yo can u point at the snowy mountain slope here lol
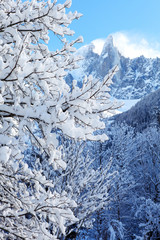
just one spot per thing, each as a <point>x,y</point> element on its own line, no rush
<point>145,113</point>
<point>135,79</point>
<point>127,104</point>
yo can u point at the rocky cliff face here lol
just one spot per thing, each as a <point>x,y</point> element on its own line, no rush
<point>135,79</point>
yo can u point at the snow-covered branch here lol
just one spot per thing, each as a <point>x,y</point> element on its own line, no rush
<point>34,94</point>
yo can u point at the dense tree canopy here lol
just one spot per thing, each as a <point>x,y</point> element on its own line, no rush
<point>34,94</point>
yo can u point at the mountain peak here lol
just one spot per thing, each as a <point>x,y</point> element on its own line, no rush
<point>109,40</point>
<point>108,45</point>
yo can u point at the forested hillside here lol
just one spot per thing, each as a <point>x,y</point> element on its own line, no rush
<point>144,114</point>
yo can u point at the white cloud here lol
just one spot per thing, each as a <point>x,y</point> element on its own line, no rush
<point>130,45</point>
<point>133,46</point>
<point>98,45</point>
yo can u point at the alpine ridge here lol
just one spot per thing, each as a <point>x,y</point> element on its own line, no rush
<point>135,79</point>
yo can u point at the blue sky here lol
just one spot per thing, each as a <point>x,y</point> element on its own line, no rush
<point>137,20</point>
<point>102,17</point>
<point>134,24</point>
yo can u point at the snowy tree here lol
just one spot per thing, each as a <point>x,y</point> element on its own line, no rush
<point>119,150</point>
<point>137,160</point>
<point>86,183</point>
<point>148,175</point>
<point>150,162</point>
<point>33,93</point>
<point>149,213</point>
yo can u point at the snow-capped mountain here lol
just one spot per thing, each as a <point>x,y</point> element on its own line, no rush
<point>135,79</point>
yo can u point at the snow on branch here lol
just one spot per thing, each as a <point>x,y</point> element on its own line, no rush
<point>33,93</point>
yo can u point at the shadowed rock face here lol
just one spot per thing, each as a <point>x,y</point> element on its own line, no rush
<point>135,79</point>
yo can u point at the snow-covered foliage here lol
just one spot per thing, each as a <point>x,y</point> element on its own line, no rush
<point>135,194</point>
<point>149,213</point>
<point>116,230</point>
<point>33,93</point>
<point>85,183</point>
